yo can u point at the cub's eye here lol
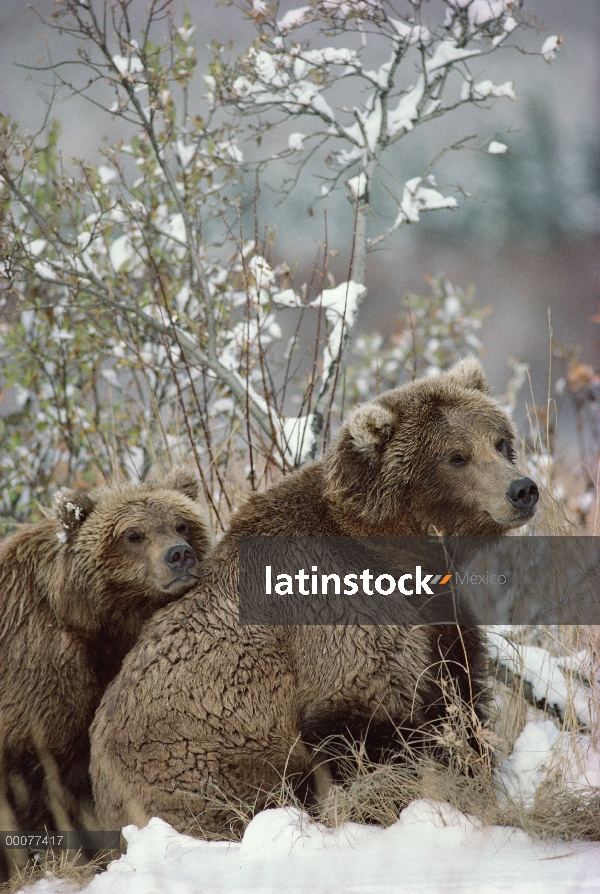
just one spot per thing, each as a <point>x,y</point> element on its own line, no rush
<point>458,460</point>
<point>502,446</point>
<point>134,536</point>
<point>181,528</point>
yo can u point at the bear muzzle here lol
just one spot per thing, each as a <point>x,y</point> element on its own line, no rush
<point>523,495</point>
<point>180,559</point>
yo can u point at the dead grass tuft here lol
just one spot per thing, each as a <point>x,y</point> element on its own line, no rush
<point>61,864</point>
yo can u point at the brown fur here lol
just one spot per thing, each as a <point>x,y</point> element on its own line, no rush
<point>205,709</point>
<point>75,591</point>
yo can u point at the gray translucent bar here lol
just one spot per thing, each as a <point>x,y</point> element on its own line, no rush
<point>39,841</point>
<point>419,580</point>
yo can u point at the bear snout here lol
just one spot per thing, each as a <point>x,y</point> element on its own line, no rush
<point>523,494</point>
<point>180,557</point>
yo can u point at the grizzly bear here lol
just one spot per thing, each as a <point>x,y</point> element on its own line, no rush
<point>75,591</point>
<point>207,715</point>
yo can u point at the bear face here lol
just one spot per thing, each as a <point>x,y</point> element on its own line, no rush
<point>128,548</point>
<point>433,456</point>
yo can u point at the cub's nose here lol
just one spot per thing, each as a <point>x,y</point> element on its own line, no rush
<point>523,494</point>
<point>180,557</point>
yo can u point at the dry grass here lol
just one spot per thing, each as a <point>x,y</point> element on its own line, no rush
<point>467,779</point>
<point>62,864</point>
<point>377,793</point>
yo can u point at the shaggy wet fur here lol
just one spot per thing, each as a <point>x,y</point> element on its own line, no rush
<point>206,711</point>
<point>75,591</point>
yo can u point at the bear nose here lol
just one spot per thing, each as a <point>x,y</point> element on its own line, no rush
<point>523,494</point>
<point>180,557</point>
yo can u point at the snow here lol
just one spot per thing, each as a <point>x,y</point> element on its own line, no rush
<point>371,121</point>
<point>37,246</point>
<point>121,252</point>
<point>321,106</point>
<point>287,298</point>
<point>186,152</point>
<point>134,463</point>
<point>496,148</point>
<point>542,751</point>
<point>261,271</point>
<point>265,68</point>
<point>294,18</point>
<point>410,33</point>
<point>358,185</point>
<point>106,175</point>
<point>381,77</point>
<point>44,270</point>
<point>487,88</point>
<point>509,26</point>
<point>298,436</point>
<point>111,377</point>
<point>186,33</point>
<point>296,141</point>
<point>417,198</point>
<point>431,849</point>
<point>407,110</point>
<point>340,301</point>
<point>551,46</point>
<point>524,770</point>
<point>228,148</point>
<point>176,227</point>
<point>341,306</point>
<point>129,65</point>
<point>480,12</point>
<point>330,56</point>
<point>57,334</point>
<point>447,53</point>
<point>551,680</point>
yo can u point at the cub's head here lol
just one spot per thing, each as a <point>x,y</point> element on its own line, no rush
<point>435,454</point>
<point>129,548</point>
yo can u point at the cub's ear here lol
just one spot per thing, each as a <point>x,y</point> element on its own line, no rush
<point>71,508</point>
<point>184,480</point>
<point>469,373</point>
<point>370,426</point>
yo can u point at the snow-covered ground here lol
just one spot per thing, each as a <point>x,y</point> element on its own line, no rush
<point>432,849</point>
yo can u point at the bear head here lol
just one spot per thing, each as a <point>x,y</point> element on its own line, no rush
<point>127,550</point>
<point>434,456</point>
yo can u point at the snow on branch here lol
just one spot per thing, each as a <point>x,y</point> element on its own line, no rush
<point>287,75</point>
<point>551,46</point>
<point>418,196</point>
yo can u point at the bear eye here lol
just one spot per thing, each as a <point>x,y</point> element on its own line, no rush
<point>181,528</point>
<point>505,447</point>
<point>134,536</point>
<point>458,460</point>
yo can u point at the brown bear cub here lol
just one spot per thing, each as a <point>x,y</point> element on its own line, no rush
<point>207,714</point>
<point>75,591</point>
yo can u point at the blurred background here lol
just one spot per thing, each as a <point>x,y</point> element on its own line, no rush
<point>528,240</point>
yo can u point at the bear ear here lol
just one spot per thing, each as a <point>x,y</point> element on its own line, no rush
<point>469,374</point>
<point>369,427</point>
<point>184,480</point>
<point>71,508</point>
